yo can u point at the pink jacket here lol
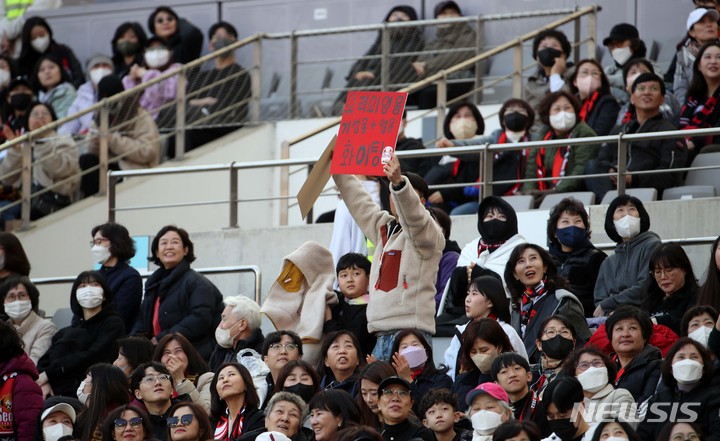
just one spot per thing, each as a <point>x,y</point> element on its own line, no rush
<point>158,94</point>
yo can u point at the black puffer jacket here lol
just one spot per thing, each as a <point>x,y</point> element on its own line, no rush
<point>669,311</point>
<point>641,375</point>
<point>654,154</point>
<point>189,304</point>
<point>77,347</point>
<point>603,114</point>
<point>580,267</point>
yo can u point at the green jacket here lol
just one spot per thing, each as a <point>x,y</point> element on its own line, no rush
<point>579,155</point>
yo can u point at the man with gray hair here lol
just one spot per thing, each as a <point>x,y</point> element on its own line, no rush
<point>239,330</point>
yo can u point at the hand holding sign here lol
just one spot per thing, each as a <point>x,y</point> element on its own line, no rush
<point>368,132</point>
<point>392,170</point>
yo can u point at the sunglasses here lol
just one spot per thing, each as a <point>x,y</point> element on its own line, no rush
<point>184,420</point>
<point>122,423</point>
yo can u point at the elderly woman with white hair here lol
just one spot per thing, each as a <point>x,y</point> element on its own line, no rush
<point>284,414</point>
<point>488,407</point>
<point>239,329</point>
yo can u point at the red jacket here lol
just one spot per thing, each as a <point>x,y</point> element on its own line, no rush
<point>27,396</point>
<point>662,338</point>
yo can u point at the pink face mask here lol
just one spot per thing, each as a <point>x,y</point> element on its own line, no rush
<point>415,356</point>
<point>588,85</point>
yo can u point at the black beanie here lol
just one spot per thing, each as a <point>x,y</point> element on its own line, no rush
<point>108,86</point>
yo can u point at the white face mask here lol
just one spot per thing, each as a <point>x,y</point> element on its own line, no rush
<point>56,431</point>
<point>593,379</point>
<point>223,337</point>
<point>157,58</point>
<point>4,77</point>
<point>415,356</point>
<point>483,361</point>
<point>485,421</point>
<point>40,44</point>
<point>100,253</point>
<point>98,74</point>
<point>700,335</point>
<point>588,85</point>
<point>687,371</point>
<point>562,121</point>
<point>628,226</point>
<point>463,128</point>
<point>89,296</point>
<point>621,55</point>
<point>82,396</point>
<point>19,309</point>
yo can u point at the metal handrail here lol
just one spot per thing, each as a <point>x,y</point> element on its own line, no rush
<point>486,153</point>
<point>703,240</point>
<point>205,271</point>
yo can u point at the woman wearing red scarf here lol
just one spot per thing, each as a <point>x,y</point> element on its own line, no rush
<point>234,402</point>
<point>701,110</point>
<point>538,292</point>
<point>560,112</point>
<point>599,108</point>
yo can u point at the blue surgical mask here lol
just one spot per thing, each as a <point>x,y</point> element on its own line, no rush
<point>571,236</point>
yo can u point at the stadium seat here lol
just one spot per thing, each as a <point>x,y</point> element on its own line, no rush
<point>644,194</point>
<point>62,317</point>
<point>520,202</point>
<point>708,176</point>
<point>586,197</point>
<point>689,192</point>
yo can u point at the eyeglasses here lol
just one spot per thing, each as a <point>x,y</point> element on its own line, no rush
<point>690,437</point>
<point>152,379</point>
<point>184,420</point>
<point>585,365</point>
<point>122,423</point>
<point>16,296</point>
<point>643,89</point>
<point>288,347</point>
<point>402,393</point>
<point>658,272</point>
<point>551,333</point>
<point>99,241</point>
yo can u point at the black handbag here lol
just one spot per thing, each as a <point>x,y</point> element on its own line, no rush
<point>46,203</point>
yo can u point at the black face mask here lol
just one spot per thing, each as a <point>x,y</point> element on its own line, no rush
<point>21,101</point>
<point>547,56</point>
<point>557,347</point>
<point>127,47</point>
<point>495,230</point>
<point>563,428</point>
<point>515,121</point>
<point>302,390</point>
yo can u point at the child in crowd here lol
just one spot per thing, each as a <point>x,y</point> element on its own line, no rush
<point>439,413</point>
<point>349,314</point>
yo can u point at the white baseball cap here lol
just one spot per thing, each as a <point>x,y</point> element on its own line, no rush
<point>697,14</point>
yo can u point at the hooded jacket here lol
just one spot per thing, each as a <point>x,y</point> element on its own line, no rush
<point>407,254</point>
<point>27,400</point>
<point>296,301</point>
<point>624,276</point>
<point>189,304</point>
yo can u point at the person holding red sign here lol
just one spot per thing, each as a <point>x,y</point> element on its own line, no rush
<point>409,245</point>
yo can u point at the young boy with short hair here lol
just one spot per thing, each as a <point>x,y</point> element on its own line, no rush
<point>512,372</point>
<point>350,313</point>
<point>439,413</point>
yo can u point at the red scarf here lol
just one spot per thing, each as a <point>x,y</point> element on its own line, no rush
<point>482,246</point>
<point>562,157</point>
<point>222,431</point>
<point>588,105</point>
<point>708,116</point>
<point>527,312</point>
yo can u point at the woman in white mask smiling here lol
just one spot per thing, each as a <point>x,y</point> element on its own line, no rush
<point>698,323</point>
<point>673,289</point>
<point>57,420</point>
<point>596,373</point>
<point>599,108</point>
<point>20,302</point>
<point>158,60</point>
<point>623,277</point>
<point>413,361</point>
<point>560,114</point>
<point>92,340</point>
<point>462,122</point>
<point>688,377</point>
<point>112,248</point>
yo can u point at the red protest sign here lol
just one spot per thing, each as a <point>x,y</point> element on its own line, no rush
<point>369,126</point>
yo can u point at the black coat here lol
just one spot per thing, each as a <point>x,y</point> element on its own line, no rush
<point>654,154</point>
<point>189,304</point>
<point>223,355</point>
<point>603,115</point>
<point>351,318</point>
<point>580,267</point>
<point>642,374</point>
<point>466,382</point>
<point>187,42</point>
<point>77,347</point>
<point>406,431</point>
<point>703,400</point>
<point>415,165</point>
<point>425,382</point>
<point>669,311</point>
<point>253,420</point>
<point>126,285</point>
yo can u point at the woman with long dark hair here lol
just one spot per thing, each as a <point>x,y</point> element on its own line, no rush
<point>52,85</point>
<point>107,390</point>
<point>330,411</point>
<point>370,378</point>
<point>538,292</point>
<point>298,377</point>
<point>127,47</point>
<point>92,340</point>
<point>591,86</point>
<point>191,374</point>
<point>234,402</point>
<point>37,40</point>
<point>127,423</point>
<point>132,352</point>
<point>340,359</point>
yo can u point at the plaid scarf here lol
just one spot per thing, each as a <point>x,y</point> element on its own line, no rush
<point>527,313</point>
<point>695,115</point>
<point>482,246</point>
